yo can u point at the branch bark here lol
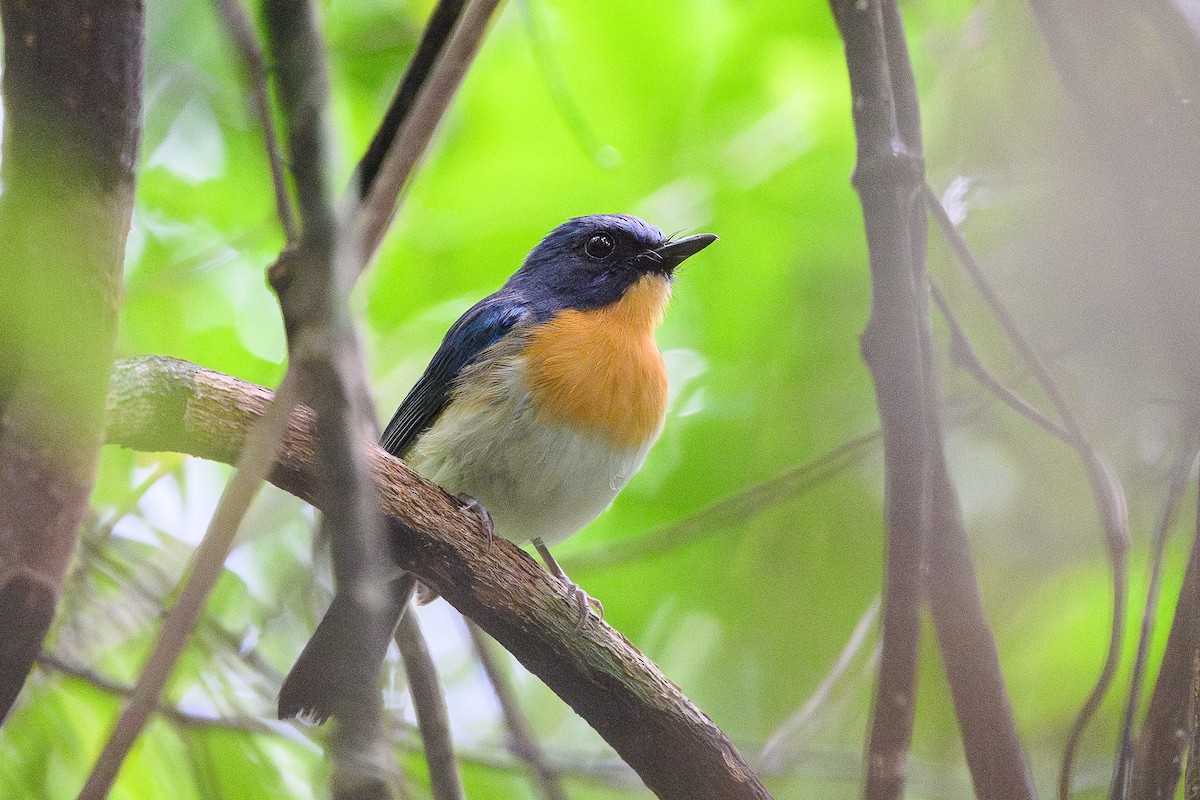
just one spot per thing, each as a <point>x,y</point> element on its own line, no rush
<point>886,177</point>
<point>72,111</point>
<point>158,404</point>
<point>313,281</point>
<point>995,756</point>
<point>1158,755</point>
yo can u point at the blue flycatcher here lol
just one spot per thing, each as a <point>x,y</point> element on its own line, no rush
<point>538,407</point>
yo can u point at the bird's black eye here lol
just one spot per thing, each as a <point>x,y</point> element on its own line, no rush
<point>600,246</point>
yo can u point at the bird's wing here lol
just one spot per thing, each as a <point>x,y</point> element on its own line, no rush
<point>479,328</point>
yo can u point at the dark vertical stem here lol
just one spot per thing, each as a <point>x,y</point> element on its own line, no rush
<point>1191,777</point>
<point>1158,755</point>
<point>430,704</point>
<point>313,281</point>
<point>999,768</point>
<point>887,176</point>
<point>72,87</point>
<point>1180,473</point>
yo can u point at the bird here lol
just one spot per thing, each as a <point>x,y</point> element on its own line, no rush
<point>538,407</point>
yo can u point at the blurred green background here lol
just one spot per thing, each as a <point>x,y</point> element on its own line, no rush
<point>699,115</point>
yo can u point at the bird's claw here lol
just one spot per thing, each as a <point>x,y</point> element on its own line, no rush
<point>470,504</point>
<point>584,602</point>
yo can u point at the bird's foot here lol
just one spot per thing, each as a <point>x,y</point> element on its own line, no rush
<point>584,602</point>
<point>473,506</point>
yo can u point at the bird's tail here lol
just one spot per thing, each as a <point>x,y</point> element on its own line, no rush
<point>317,683</point>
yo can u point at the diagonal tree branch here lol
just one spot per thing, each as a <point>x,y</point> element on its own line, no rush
<point>524,744</point>
<point>414,134</point>
<point>253,463</point>
<point>160,404</point>
<point>429,700</point>
<point>442,22</point>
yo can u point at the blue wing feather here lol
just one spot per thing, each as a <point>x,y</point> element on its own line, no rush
<point>479,328</point>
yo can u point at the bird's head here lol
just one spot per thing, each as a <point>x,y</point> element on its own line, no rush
<point>590,262</point>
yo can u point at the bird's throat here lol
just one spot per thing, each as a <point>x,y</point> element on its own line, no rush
<point>600,370</point>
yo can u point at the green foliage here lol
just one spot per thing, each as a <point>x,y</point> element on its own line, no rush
<point>700,115</point>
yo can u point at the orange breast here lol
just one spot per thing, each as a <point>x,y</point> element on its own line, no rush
<point>600,370</point>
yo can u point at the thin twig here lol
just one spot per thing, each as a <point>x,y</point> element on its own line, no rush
<point>378,209</point>
<point>101,532</point>
<point>966,357</point>
<point>780,751</point>
<point>245,39</point>
<point>1106,487</point>
<point>524,744</point>
<point>243,724</point>
<point>1180,474</point>
<point>735,509</point>
<point>253,466</point>
<point>437,32</point>
<point>430,704</point>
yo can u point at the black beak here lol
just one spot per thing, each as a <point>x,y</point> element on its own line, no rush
<point>674,253</point>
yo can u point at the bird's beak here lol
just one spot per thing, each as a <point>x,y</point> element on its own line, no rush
<point>674,253</point>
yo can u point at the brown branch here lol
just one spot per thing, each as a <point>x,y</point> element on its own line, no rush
<point>1107,492</point>
<point>886,177</point>
<point>965,356</point>
<point>1158,755</point>
<point>995,756</point>
<point>72,89</point>
<point>241,30</point>
<point>253,463</point>
<point>429,701</point>
<point>313,281</point>
<point>524,744</point>
<point>413,137</point>
<point>165,404</point>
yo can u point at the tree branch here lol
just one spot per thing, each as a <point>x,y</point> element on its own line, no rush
<point>886,176</point>
<point>523,744</point>
<point>412,139</point>
<point>429,700</point>
<point>437,32</point>
<point>72,83</point>
<point>313,281</point>
<point>160,404</point>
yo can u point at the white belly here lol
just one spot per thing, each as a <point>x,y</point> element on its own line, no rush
<point>538,481</point>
